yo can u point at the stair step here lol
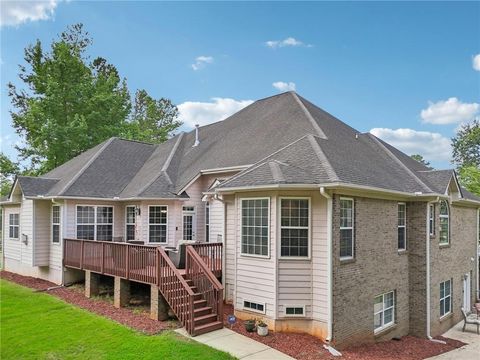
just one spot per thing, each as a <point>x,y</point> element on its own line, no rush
<point>199,303</point>
<point>202,329</point>
<point>205,319</point>
<point>202,311</point>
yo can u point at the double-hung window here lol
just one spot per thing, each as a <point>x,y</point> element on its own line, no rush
<point>255,222</point>
<point>13,226</point>
<point>402,223</point>
<point>294,227</point>
<point>384,311</point>
<point>157,224</point>
<point>56,224</point>
<point>130,221</point>
<point>431,219</point>
<point>95,222</point>
<point>444,223</point>
<point>445,297</point>
<point>347,221</point>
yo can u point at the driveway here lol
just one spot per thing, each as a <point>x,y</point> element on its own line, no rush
<point>471,351</point>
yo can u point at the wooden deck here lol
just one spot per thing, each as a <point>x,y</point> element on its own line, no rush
<point>185,290</point>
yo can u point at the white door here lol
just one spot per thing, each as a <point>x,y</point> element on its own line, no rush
<point>466,293</point>
<point>189,223</point>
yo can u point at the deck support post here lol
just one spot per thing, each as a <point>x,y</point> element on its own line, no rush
<point>92,284</point>
<point>158,305</point>
<point>121,292</point>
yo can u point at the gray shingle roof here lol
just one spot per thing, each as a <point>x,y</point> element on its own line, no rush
<point>286,138</point>
<point>33,186</point>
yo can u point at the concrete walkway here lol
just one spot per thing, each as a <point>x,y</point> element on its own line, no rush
<point>471,351</point>
<point>237,345</point>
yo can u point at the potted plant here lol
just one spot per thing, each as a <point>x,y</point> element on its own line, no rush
<point>250,325</point>
<point>262,328</point>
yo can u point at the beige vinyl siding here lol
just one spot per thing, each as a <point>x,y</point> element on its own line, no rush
<point>216,221</point>
<point>294,285</point>
<point>42,238</point>
<point>12,248</point>
<point>26,228</point>
<point>230,245</point>
<point>255,277</point>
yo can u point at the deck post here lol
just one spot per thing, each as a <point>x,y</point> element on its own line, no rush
<point>121,292</point>
<point>92,282</point>
<point>158,305</point>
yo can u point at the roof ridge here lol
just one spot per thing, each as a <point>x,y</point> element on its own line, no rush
<point>86,166</point>
<point>172,152</point>
<point>37,177</point>
<point>398,161</point>
<point>276,171</point>
<point>434,170</point>
<point>136,141</point>
<point>309,116</point>
<point>323,158</point>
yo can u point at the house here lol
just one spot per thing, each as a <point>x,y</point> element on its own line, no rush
<point>321,229</point>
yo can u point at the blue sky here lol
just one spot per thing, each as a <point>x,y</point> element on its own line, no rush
<point>408,71</point>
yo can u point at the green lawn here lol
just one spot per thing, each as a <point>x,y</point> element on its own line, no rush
<point>40,326</point>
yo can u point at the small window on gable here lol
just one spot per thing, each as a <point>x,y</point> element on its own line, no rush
<point>444,223</point>
<point>295,311</point>
<point>252,306</point>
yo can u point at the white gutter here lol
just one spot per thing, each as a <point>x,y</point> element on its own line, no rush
<point>329,262</point>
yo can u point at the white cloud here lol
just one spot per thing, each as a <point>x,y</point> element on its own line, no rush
<point>476,62</point>
<point>284,86</point>
<point>201,62</point>
<point>432,146</point>
<point>204,113</point>
<point>449,111</point>
<point>14,13</point>
<point>290,41</point>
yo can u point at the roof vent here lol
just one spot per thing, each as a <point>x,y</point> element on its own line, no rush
<point>197,142</point>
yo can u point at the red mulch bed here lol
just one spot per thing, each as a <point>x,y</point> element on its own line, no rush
<point>127,316</point>
<point>307,347</point>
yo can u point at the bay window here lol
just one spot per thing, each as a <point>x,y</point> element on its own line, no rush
<point>294,227</point>
<point>255,222</point>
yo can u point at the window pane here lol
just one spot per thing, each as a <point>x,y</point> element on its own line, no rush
<point>294,231</point>
<point>130,232</point>
<point>388,316</point>
<point>255,227</point>
<point>85,215</point>
<point>388,300</point>
<point>443,208</point>
<point>158,233</point>
<point>346,243</point>
<point>378,304</point>
<point>187,227</point>
<point>130,215</point>
<point>377,320</point>
<point>86,232</point>
<point>56,233</point>
<point>55,214</point>
<point>346,213</point>
<point>401,214</point>
<point>401,238</point>
<point>104,215</point>
<point>443,230</point>
<point>158,215</point>
<point>104,232</point>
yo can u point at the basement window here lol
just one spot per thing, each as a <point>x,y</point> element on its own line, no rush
<point>295,310</point>
<point>250,305</point>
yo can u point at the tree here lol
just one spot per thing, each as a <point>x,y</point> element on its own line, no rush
<point>420,159</point>
<point>152,120</point>
<point>466,155</point>
<point>8,170</point>
<point>69,104</point>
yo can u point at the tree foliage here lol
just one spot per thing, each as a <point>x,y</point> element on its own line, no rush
<point>466,155</point>
<point>420,159</point>
<point>8,170</point>
<point>69,103</point>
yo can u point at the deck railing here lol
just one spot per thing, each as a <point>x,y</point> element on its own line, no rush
<point>205,281</point>
<point>212,255</point>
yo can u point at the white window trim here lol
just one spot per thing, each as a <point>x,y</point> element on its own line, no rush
<point>440,223</point>
<point>95,220</point>
<point>447,296</point>
<point>431,219</point>
<point>207,221</point>
<point>18,226</point>
<point>348,228</point>
<point>127,223</point>
<point>254,310</point>
<point>294,315</point>
<point>242,254</point>
<point>148,230</point>
<point>404,226</point>
<point>391,323</point>
<point>59,225</point>
<point>280,227</point>
<point>194,221</point>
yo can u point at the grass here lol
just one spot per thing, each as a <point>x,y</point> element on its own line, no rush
<point>40,326</point>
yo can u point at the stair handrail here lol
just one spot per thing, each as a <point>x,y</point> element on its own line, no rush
<point>184,311</point>
<point>192,255</point>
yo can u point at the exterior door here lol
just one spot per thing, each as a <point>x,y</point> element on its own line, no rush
<point>466,293</point>
<point>189,223</point>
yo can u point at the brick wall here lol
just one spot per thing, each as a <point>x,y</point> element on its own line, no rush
<point>377,268</point>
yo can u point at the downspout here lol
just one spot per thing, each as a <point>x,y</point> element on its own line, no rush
<point>329,262</point>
